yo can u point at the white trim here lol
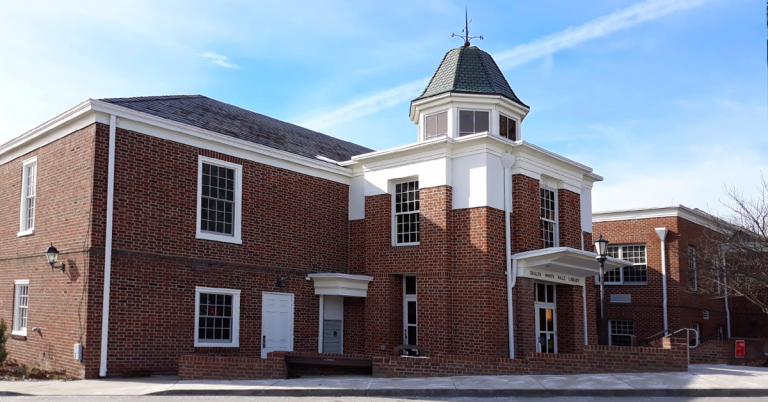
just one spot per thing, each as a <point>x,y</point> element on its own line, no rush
<point>23,211</point>
<point>584,304</point>
<point>410,298</point>
<point>235,293</point>
<point>393,185</point>
<point>336,284</point>
<point>621,281</point>
<point>237,222</point>
<point>610,333</point>
<point>662,233</point>
<point>546,305</point>
<point>696,216</point>
<point>15,325</point>
<point>108,247</point>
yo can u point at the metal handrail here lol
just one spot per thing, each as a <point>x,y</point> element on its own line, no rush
<point>687,336</point>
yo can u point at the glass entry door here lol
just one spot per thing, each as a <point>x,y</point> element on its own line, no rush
<point>546,318</point>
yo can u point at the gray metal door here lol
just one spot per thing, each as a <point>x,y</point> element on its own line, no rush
<point>331,336</point>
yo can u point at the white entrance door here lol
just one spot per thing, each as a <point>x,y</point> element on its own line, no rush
<point>546,318</point>
<point>276,322</point>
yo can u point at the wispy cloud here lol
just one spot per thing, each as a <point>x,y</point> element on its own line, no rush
<point>367,105</point>
<point>219,59</point>
<point>621,19</point>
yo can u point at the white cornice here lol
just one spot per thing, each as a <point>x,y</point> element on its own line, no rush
<point>450,97</point>
<point>696,216</point>
<point>49,125</point>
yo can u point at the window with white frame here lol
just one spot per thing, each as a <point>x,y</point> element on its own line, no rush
<point>20,307</point>
<point>548,219</point>
<point>621,332</point>
<point>507,127</point>
<point>219,200</point>
<point>473,121</point>
<point>28,197</point>
<point>217,317</point>
<point>435,125</point>
<point>637,273</point>
<point>693,280</point>
<point>406,214</point>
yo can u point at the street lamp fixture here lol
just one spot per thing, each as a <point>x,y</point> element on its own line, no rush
<point>601,251</point>
<point>53,255</point>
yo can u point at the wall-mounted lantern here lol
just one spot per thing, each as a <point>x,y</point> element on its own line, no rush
<point>53,255</point>
<point>281,283</point>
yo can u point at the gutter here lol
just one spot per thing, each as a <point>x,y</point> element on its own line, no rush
<point>108,247</point>
<point>507,160</point>
<point>662,233</point>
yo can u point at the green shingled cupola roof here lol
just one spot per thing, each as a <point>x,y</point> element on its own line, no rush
<point>467,69</point>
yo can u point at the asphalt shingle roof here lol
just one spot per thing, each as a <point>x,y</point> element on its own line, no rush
<point>223,118</point>
<point>471,70</point>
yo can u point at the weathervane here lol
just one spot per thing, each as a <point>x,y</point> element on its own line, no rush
<point>466,36</point>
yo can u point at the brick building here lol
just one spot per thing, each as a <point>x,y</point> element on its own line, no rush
<point>662,244</point>
<point>187,226</point>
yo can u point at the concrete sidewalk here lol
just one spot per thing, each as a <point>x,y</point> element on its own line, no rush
<point>701,380</point>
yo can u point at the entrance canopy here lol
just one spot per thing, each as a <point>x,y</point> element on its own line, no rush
<point>562,264</point>
<point>337,284</point>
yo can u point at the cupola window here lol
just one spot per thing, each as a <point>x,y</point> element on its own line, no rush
<point>507,127</point>
<point>473,121</point>
<point>436,125</point>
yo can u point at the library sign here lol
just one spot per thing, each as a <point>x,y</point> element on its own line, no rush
<point>551,276</point>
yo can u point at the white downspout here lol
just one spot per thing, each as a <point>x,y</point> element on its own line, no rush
<point>108,247</point>
<point>725,290</point>
<point>507,160</point>
<point>662,232</point>
<point>584,300</point>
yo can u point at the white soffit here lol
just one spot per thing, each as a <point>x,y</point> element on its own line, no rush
<point>337,284</point>
<point>564,261</point>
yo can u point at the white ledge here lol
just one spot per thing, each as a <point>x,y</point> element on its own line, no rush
<point>338,284</point>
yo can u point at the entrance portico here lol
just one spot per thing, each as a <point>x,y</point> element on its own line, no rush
<point>551,305</point>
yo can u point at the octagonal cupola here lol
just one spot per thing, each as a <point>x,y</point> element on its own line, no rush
<point>468,95</point>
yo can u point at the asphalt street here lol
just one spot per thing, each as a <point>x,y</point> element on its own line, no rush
<point>363,399</point>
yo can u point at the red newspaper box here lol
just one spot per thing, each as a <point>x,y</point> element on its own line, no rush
<point>740,348</point>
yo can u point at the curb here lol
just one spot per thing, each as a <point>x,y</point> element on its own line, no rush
<point>327,392</point>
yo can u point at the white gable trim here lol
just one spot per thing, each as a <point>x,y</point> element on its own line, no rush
<point>696,216</point>
<point>91,110</point>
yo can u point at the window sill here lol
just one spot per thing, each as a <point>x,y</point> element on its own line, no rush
<point>20,334</point>
<point>219,238</point>
<point>26,232</point>
<point>406,244</point>
<point>217,345</point>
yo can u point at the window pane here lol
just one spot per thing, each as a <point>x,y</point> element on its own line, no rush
<point>407,212</point>
<point>512,130</point>
<point>550,293</point>
<point>541,293</point>
<point>412,312</point>
<point>482,121</point>
<point>218,197</point>
<point>412,335</point>
<point>466,122</point>
<point>503,126</point>
<point>431,129</point>
<point>410,285</point>
<point>442,123</point>
<point>215,317</point>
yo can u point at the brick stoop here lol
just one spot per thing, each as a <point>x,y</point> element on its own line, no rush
<point>205,367</point>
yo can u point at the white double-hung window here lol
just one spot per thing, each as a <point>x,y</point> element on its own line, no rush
<point>406,213</point>
<point>548,199</point>
<point>219,200</point>
<point>20,306</point>
<point>28,197</point>
<point>635,274</point>
<point>622,332</point>
<point>217,317</point>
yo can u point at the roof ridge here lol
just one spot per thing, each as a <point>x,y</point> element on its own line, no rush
<point>487,76</point>
<point>151,98</point>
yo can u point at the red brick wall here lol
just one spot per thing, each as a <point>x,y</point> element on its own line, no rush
<point>592,359</point>
<point>526,212</point>
<point>569,218</point>
<point>67,209</point>
<point>202,367</point>
<point>724,352</point>
<point>684,307</point>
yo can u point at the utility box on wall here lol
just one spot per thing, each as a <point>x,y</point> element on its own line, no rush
<point>78,352</point>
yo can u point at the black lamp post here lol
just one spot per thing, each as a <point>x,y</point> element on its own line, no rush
<point>601,249</point>
<point>53,255</point>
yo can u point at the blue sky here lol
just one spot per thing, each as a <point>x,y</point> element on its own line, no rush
<point>664,98</point>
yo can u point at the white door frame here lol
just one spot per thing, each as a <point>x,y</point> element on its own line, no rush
<point>406,299</point>
<point>263,336</point>
<point>553,307</point>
